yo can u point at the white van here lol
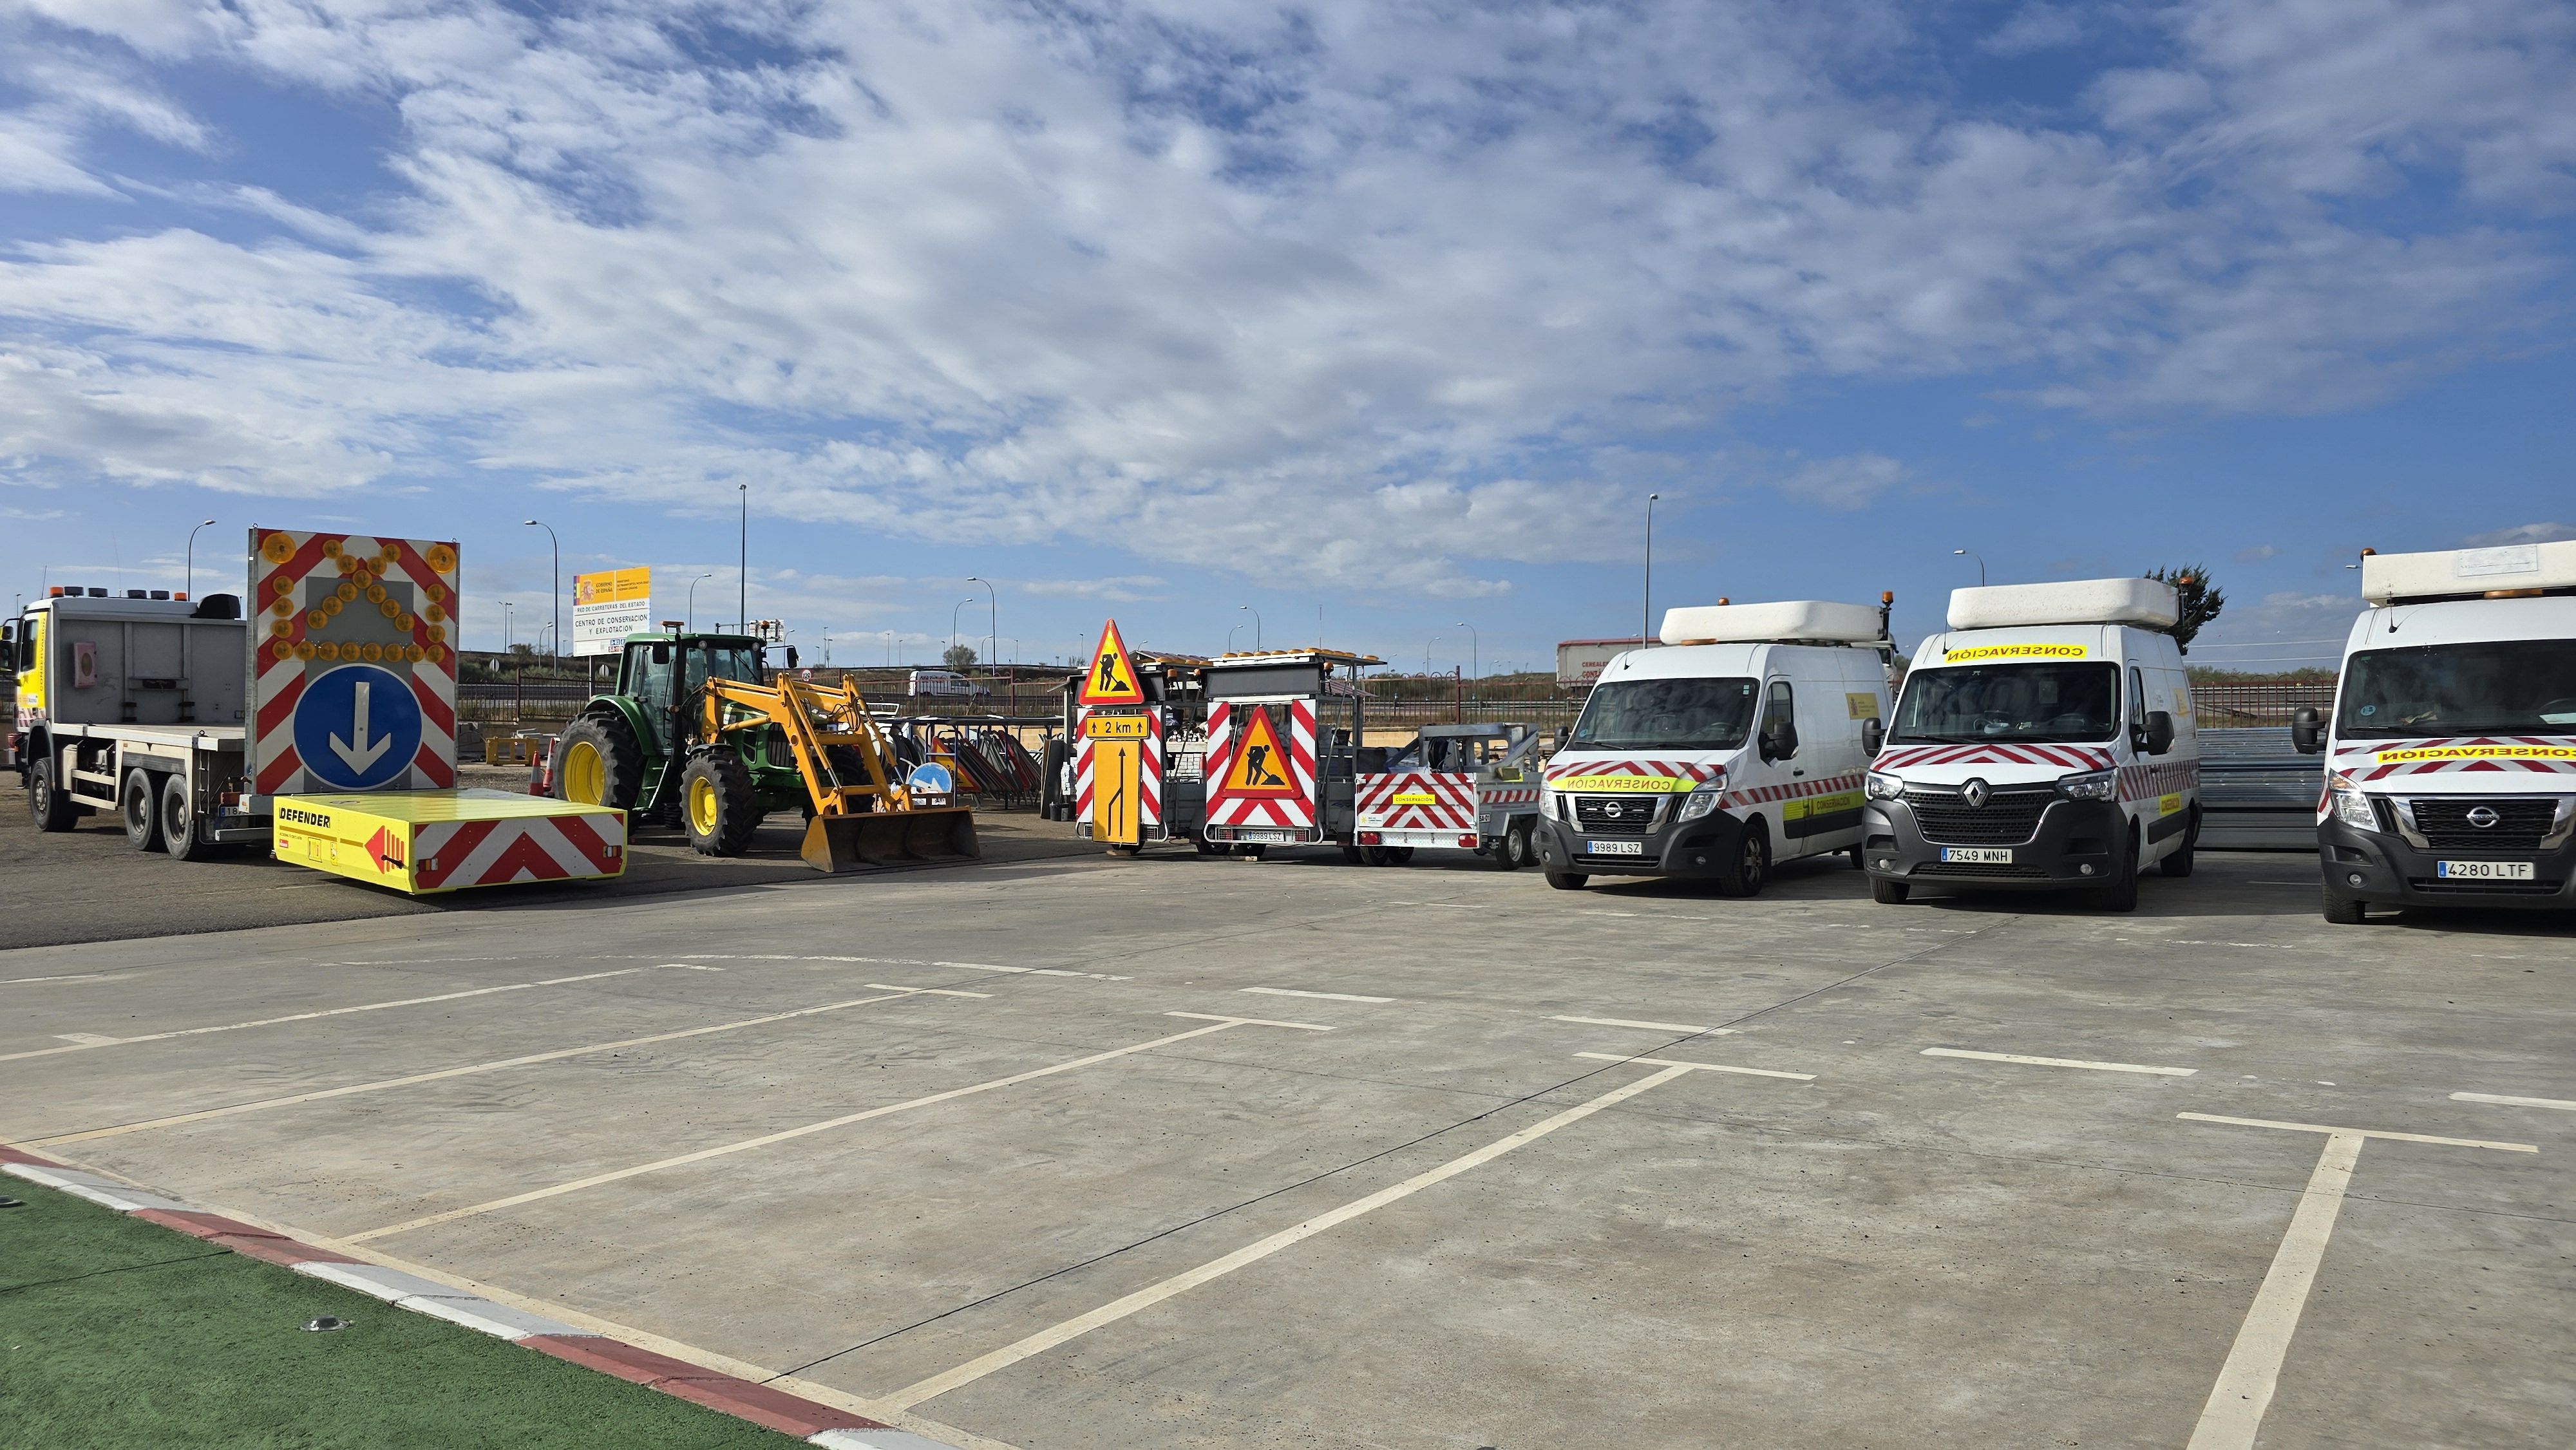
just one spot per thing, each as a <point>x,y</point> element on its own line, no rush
<point>2451,758</point>
<point>1740,745</point>
<point>944,682</point>
<point>2045,741</point>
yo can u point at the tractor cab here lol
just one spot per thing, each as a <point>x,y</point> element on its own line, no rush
<point>663,673</point>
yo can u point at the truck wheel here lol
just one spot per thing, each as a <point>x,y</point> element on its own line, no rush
<point>52,808</point>
<point>1505,858</point>
<point>1399,855</point>
<point>2122,892</point>
<point>598,763</point>
<point>719,807</point>
<point>2179,863</point>
<point>179,822</point>
<point>139,802</point>
<point>1524,849</point>
<point>1751,867</point>
<point>1250,852</point>
<point>1373,855</point>
<point>1566,880</point>
<point>1889,893</point>
<point>2344,910</point>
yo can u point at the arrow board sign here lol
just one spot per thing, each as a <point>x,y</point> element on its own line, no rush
<point>357,727</point>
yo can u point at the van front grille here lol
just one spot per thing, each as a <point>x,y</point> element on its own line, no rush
<point>2008,818</point>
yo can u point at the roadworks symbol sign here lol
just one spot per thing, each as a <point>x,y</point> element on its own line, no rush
<point>1260,767</point>
<point>1112,680</point>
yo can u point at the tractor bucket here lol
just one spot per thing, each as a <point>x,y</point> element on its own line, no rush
<point>838,843</point>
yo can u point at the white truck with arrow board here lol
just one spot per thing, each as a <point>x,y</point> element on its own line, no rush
<point>2451,755</point>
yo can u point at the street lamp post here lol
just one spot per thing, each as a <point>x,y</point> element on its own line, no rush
<point>693,601</point>
<point>1475,651</point>
<point>554,592</point>
<point>506,625</point>
<point>191,585</point>
<point>742,564</point>
<point>1646,627</point>
<point>952,624</point>
<point>1981,564</point>
<point>1256,627</point>
<point>992,618</point>
<point>1426,655</point>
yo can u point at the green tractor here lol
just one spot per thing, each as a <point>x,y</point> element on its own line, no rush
<point>698,734</point>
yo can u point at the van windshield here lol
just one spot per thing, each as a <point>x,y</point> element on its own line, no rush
<point>1667,715</point>
<point>2494,687</point>
<point>2056,703</point>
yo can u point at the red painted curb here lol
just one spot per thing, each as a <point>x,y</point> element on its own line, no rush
<point>762,1405</point>
<point>608,1356</point>
<point>16,1155</point>
<point>285,1252</point>
<point>205,1225</point>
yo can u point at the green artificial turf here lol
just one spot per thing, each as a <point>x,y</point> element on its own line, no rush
<point>118,1332</point>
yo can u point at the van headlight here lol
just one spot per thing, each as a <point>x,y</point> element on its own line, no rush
<point>2092,785</point>
<point>2351,806</point>
<point>1883,787</point>
<point>1702,801</point>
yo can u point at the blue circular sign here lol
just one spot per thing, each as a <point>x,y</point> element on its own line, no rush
<point>930,778</point>
<point>357,727</point>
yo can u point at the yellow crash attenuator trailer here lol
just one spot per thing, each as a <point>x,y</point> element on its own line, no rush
<point>444,840</point>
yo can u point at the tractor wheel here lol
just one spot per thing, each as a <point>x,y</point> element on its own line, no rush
<point>179,822</point>
<point>719,807</point>
<point>47,801</point>
<point>139,802</point>
<point>599,763</point>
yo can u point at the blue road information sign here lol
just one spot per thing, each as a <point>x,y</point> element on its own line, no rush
<point>357,727</point>
<point>930,778</point>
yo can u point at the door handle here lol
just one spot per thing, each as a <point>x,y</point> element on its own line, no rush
<point>1797,772</point>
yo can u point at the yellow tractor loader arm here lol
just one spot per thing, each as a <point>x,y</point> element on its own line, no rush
<point>861,812</point>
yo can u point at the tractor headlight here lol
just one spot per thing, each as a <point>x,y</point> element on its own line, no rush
<point>2351,806</point>
<point>1702,801</point>
<point>2092,785</point>
<point>1883,787</point>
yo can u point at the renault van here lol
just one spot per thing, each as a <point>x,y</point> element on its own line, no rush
<point>1739,745</point>
<point>2045,741</point>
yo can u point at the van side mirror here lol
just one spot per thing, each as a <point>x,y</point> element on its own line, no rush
<point>1872,735</point>
<point>2307,730</point>
<point>2160,732</point>
<point>1780,742</point>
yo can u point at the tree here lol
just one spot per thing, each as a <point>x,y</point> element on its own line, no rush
<point>2201,601</point>
<point>959,656</point>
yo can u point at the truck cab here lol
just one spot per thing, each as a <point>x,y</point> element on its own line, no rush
<point>2451,752</point>
<point>2044,742</point>
<point>1741,743</point>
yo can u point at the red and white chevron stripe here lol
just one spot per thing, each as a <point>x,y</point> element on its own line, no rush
<point>454,854</point>
<point>1508,795</point>
<point>2508,755</point>
<point>1296,812</point>
<point>2058,757</point>
<point>1452,806</point>
<point>1082,764</point>
<point>296,581</point>
<point>1794,790</point>
<point>1689,770</point>
<point>2147,782</point>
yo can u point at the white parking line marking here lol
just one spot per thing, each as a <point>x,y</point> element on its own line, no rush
<point>85,1042</point>
<point>1145,1298</point>
<point>904,962</point>
<point>2233,1415</point>
<point>929,991</point>
<point>2561,1104</point>
<point>79,977</point>
<point>745,1145</point>
<point>2060,1062</point>
<point>1249,1021</point>
<point>1323,996</point>
<point>381,1084</point>
<point>1699,1066</point>
<point>1644,1026</point>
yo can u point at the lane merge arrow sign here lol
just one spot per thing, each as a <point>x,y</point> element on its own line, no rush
<point>357,727</point>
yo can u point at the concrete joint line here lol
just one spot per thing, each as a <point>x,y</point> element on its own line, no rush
<point>766,1140</point>
<point>1145,1298</point>
<point>2233,1415</point>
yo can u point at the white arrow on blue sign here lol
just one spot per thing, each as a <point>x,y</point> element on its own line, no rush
<point>357,727</point>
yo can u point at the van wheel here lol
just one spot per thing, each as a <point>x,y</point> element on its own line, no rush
<point>1566,880</point>
<point>179,822</point>
<point>2344,910</point>
<point>47,802</point>
<point>1889,893</point>
<point>1745,875</point>
<point>139,802</point>
<point>2179,863</point>
<point>2122,892</point>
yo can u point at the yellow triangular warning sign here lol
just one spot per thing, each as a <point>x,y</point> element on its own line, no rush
<point>1259,767</point>
<point>1112,680</point>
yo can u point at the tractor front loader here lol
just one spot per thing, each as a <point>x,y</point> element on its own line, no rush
<point>696,735</point>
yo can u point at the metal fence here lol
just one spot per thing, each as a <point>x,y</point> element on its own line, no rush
<point>2258,702</point>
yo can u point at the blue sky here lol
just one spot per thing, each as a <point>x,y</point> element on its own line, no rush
<point>1186,311</point>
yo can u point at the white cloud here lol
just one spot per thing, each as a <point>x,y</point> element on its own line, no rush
<point>1354,294</point>
<point>2256,554</point>
<point>1119,588</point>
<point>2036,27</point>
<point>2546,533</point>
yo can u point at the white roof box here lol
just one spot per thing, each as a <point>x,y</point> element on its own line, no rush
<point>1804,620</point>
<point>2145,602</point>
<point>2453,572</point>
